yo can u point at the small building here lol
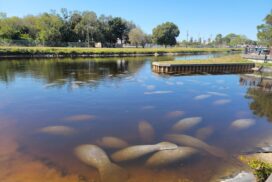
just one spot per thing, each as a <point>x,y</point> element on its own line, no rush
<point>98,45</point>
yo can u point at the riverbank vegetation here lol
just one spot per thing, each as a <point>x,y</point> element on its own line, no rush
<point>64,52</point>
<point>262,170</point>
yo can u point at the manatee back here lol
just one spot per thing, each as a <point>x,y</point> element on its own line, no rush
<point>167,157</point>
<point>92,155</point>
<point>133,152</point>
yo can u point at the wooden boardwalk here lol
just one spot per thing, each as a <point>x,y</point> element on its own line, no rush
<point>257,57</point>
<point>219,68</point>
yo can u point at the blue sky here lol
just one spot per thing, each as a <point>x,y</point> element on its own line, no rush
<point>202,18</point>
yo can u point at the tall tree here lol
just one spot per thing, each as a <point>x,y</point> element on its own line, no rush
<point>88,26</point>
<point>12,28</point>
<point>265,30</point>
<point>49,26</point>
<point>166,34</point>
<point>238,40</point>
<point>219,39</point>
<point>118,29</point>
<point>136,36</point>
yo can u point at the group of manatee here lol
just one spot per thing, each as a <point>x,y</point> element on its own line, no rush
<point>174,147</point>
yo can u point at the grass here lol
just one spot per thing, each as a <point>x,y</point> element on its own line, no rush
<point>103,51</point>
<point>264,64</point>
<point>220,60</point>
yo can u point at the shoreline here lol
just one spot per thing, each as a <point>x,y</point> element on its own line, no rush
<point>47,52</point>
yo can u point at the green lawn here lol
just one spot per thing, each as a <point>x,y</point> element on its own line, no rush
<point>103,51</point>
<point>222,60</point>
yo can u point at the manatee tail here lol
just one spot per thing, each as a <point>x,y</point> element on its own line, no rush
<point>113,173</point>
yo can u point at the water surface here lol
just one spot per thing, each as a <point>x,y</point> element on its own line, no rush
<point>109,97</point>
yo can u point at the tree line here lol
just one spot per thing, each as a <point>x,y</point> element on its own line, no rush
<point>86,28</point>
<point>229,40</point>
<point>57,28</point>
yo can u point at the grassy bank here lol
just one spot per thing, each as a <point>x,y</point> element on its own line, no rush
<point>220,60</point>
<point>63,51</point>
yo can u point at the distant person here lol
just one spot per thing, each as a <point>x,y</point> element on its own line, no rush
<point>260,51</point>
<point>246,50</point>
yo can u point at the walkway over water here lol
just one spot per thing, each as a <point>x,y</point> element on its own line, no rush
<point>257,57</point>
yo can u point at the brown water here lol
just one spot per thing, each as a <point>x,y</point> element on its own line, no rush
<point>109,97</point>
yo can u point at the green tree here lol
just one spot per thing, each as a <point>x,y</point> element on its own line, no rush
<point>228,38</point>
<point>118,28</point>
<point>30,27</point>
<point>147,40</point>
<point>88,26</point>
<point>136,36</point>
<point>238,40</point>
<point>166,34</point>
<point>265,30</point>
<point>219,39</point>
<point>106,36</point>
<point>11,28</point>
<point>49,26</point>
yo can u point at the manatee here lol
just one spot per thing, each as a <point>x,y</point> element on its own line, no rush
<point>179,83</point>
<point>148,107</point>
<point>51,85</point>
<point>242,123</point>
<point>94,156</point>
<point>202,97</point>
<point>166,157</point>
<point>222,102</point>
<point>186,124</point>
<point>189,141</point>
<point>150,87</point>
<point>112,142</point>
<point>137,151</point>
<point>159,92</point>
<point>204,133</point>
<point>81,117</point>
<point>58,130</point>
<point>218,94</point>
<point>169,83</point>
<point>146,132</point>
<point>174,114</point>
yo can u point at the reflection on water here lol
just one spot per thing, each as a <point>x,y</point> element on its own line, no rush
<point>260,94</point>
<point>56,116</point>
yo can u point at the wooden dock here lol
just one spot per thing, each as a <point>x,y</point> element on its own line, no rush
<point>218,68</point>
